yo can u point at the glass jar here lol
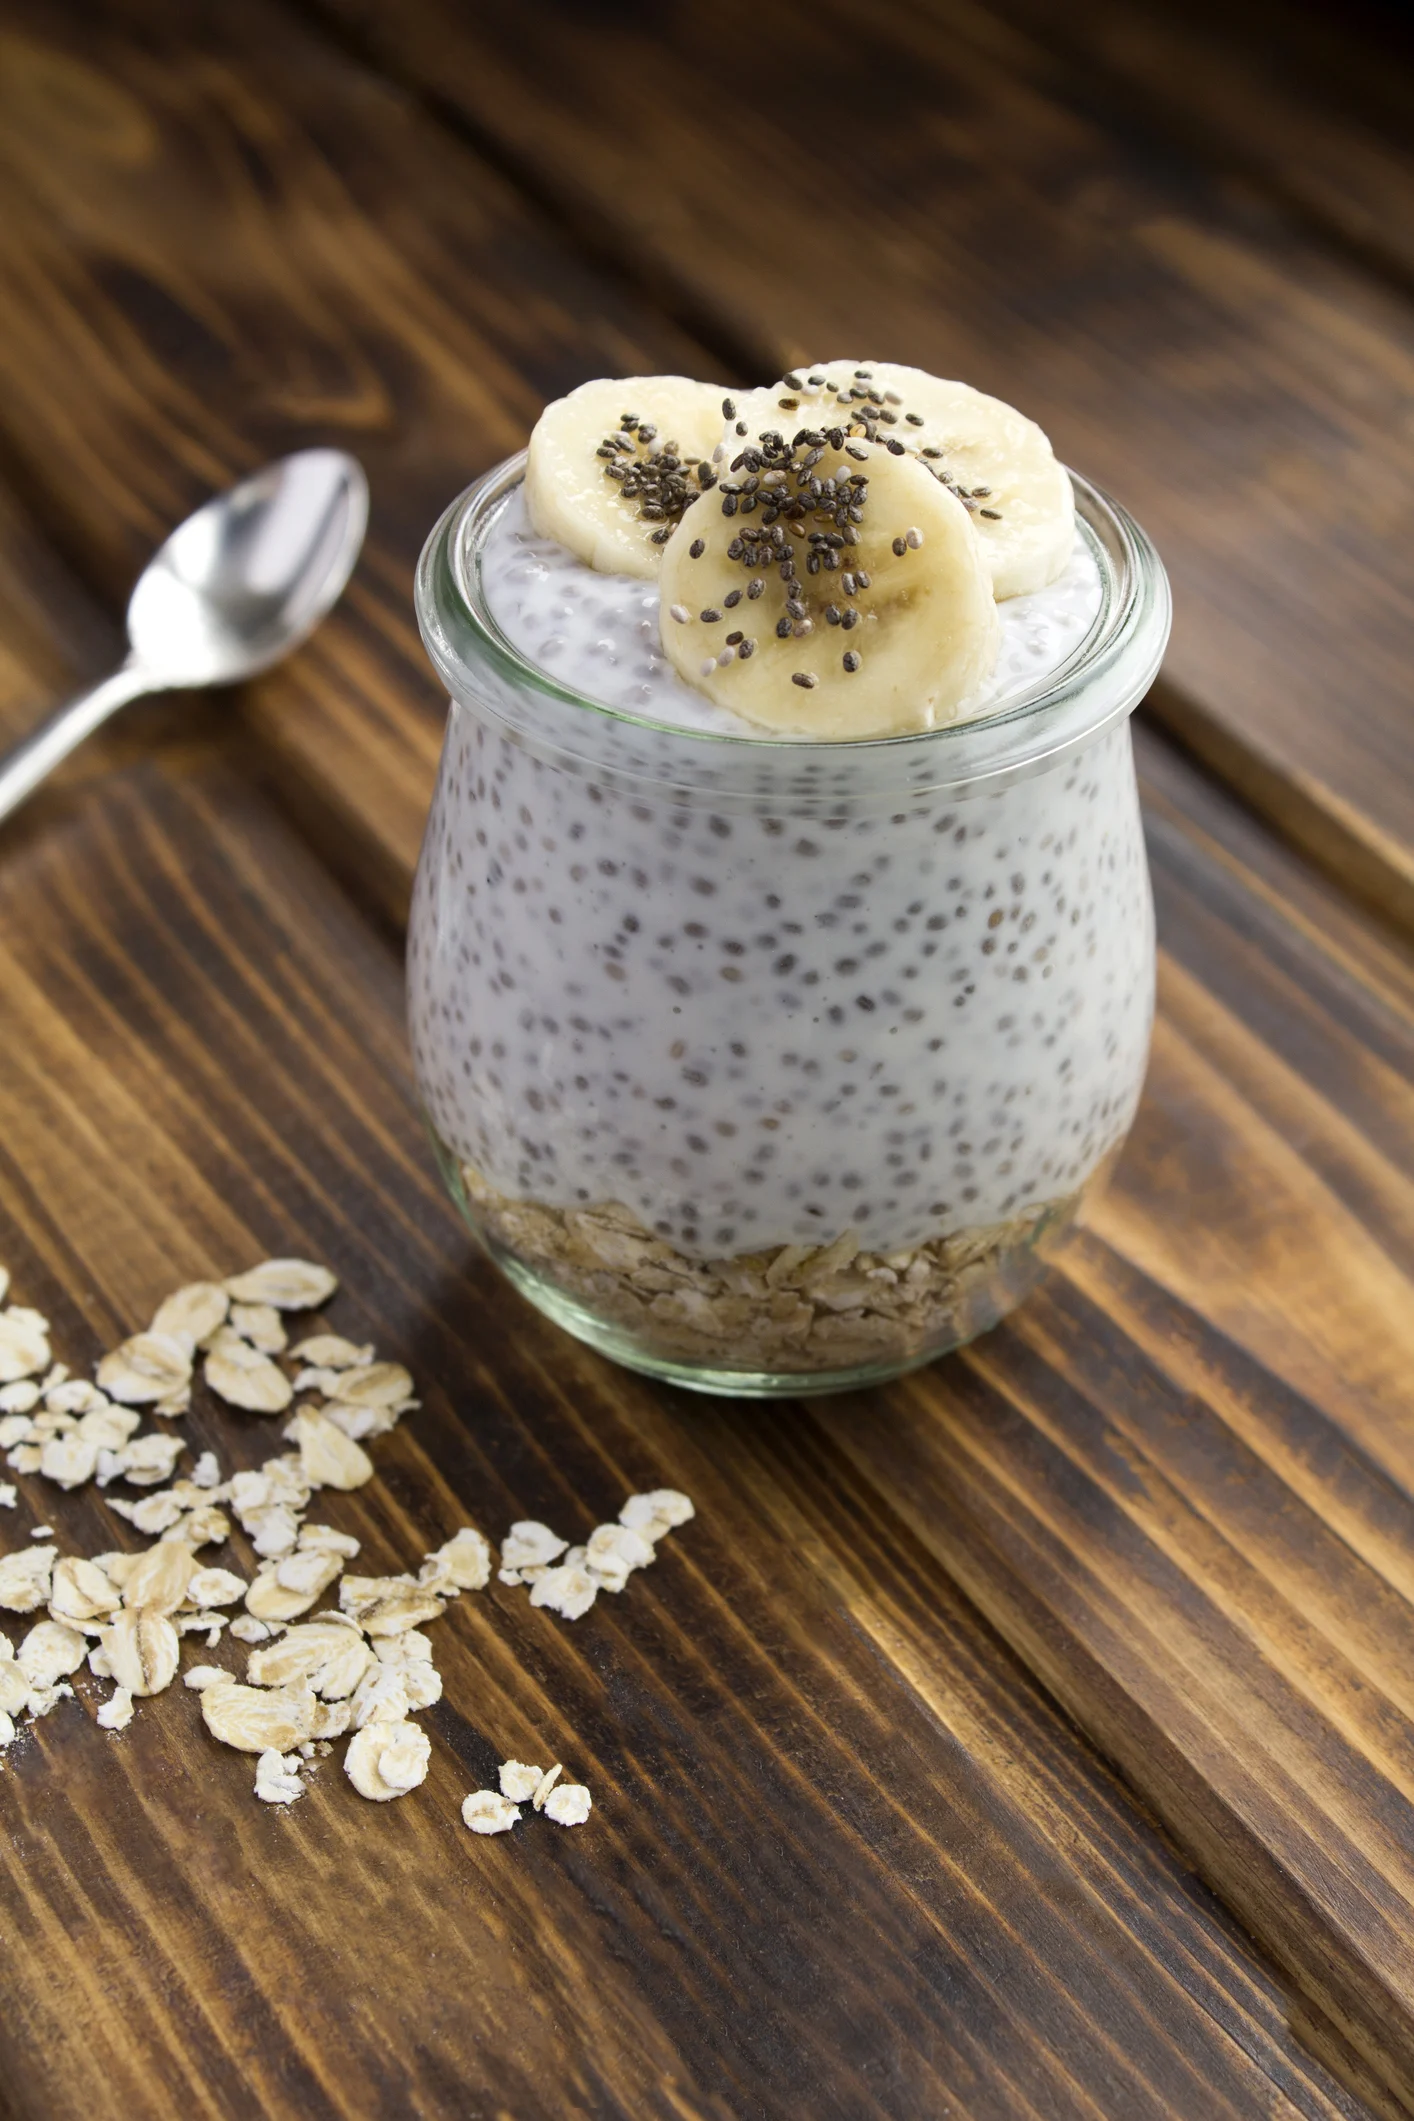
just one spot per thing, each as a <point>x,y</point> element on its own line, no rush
<point>770,1066</point>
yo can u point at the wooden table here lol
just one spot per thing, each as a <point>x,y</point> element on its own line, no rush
<point>1034,1738</point>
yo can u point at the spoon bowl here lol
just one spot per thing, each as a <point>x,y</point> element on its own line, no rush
<point>251,574</point>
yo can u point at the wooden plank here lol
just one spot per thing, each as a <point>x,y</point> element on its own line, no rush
<point>1351,1198</point>
<point>1316,107</point>
<point>1180,1480</point>
<point>51,629</point>
<point>1235,1332</point>
<point>214,252</point>
<point>1242,388</point>
<point>841,1839</point>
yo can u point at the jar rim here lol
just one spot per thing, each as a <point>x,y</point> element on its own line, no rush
<point>1102,679</point>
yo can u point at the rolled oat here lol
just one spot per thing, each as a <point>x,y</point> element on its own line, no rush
<point>386,1760</point>
<point>488,1812</point>
<point>243,1377</point>
<point>116,1713</point>
<point>146,1368</point>
<point>277,1779</point>
<point>288,1284</point>
<point>569,1805</point>
<point>192,1314</point>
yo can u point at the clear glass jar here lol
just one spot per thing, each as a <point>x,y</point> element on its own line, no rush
<point>770,1066</point>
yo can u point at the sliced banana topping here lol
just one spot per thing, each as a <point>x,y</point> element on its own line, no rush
<point>999,464</point>
<point>828,588</point>
<point>613,466</point>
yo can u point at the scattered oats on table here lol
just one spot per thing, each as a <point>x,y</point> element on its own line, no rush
<point>365,1668</point>
<point>327,1540</point>
<point>569,1591</point>
<point>24,1578</point>
<point>24,1344</point>
<point>330,1351</point>
<point>69,1461</point>
<point>149,1367</point>
<point>144,1462</point>
<point>569,1805</point>
<point>614,1552</point>
<point>461,1563</point>
<point>381,1696</point>
<point>566,1579</point>
<point>376,1384</point>
<point>488,1812</point>
<point>143,1650</point>
<point>202,1676</point>
<point>287,1284</point>
<point>545,1785</point>
<point>660,1510</point>
<point>192,1314</point>
<point>277,1778</point>
<point>518,1780</point>
<point>157,1583</point>
<point>81,1591</point>
<point>243,1377</point>
<point>329,1652</point>
<point>261,1325</point>
<point>409,1657</point>
<point>494,1812</point>
<point>253,1719</point>
<point>328,1457</point>
<point>50,1652</point>
<point>14,1687</point>
<point>215,1587</point>
<point>386,1760</point>
<point>529,1545</point>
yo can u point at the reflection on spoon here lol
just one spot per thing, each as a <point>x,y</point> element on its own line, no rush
<point>235,588</point>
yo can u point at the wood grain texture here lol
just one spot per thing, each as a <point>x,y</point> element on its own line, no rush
<point>1180,1480</point>
<point>1315,105</point>
<point>1241,386</point>
<point>1234,1336</point>
<point>214,249</point>
<point>846,1858</point>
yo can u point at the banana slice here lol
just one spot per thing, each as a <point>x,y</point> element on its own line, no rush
<point>612,467</point>
<point>998,463</point>
<point>829,592</point>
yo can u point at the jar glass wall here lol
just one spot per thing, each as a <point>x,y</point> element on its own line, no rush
<point>772,1066</point>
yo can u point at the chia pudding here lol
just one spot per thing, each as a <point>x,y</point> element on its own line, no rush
<point>766,1062</point>
<point>600,631</point>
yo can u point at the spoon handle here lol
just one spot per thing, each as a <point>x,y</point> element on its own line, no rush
<point>22,769</point>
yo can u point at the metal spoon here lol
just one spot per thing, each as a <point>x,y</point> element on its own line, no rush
<point>235,588</point>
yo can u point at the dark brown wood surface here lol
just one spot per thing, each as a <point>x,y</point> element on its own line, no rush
<point>1246,389</point>
<point>1313,104</point>
<point>1243,387</point>
<point>1178,1483</point>
<point>211,255</point>
<point>846,1858</point>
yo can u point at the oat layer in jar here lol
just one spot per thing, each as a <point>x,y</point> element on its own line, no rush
<point>765,1064</point>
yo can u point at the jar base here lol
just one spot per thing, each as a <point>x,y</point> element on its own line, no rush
<point>788,1322</point>
<point>716,1381</point>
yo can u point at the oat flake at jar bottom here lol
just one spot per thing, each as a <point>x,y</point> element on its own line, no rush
<point>768,1065</point>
